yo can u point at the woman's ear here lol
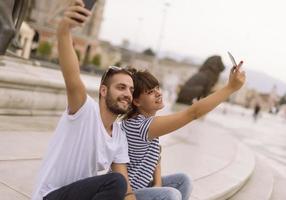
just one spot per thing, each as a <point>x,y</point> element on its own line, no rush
<point>103,90</point>
<point>136,102</point>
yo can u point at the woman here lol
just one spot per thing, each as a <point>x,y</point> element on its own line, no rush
<point>143,130</point>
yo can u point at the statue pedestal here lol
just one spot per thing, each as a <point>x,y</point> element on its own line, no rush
<point>26,89</point>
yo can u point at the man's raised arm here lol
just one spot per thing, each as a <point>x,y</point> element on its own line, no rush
<point>76,92</point>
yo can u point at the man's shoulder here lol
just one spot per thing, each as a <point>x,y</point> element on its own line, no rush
<point>89,106</point>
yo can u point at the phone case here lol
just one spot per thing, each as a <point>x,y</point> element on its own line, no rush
<point>89,4</point>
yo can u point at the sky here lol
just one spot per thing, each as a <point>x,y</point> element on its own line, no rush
<point>252,30</point>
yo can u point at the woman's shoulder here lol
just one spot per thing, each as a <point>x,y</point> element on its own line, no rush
<point>133,121</point>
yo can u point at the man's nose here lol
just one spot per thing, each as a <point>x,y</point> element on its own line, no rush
<point>128,93</point>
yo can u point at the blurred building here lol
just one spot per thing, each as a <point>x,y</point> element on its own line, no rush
<point>110,54</point>
<point>44,16</point>
<point>248,98</point>
<point>26,35</point>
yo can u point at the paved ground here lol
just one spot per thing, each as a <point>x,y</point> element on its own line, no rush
<point>22,143</point>
<point>24,139</point>
<point>266,136</point>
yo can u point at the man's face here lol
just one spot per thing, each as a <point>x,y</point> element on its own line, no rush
<point>118,97</point>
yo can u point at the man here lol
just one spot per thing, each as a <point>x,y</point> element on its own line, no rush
<point>87,138</point>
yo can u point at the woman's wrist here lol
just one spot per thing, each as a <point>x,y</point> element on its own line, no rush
<point>229,89</point>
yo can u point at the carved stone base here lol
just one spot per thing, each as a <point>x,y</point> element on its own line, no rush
<point>29,90</point>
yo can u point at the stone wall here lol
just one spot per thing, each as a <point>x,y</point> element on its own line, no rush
<point>27,88</point>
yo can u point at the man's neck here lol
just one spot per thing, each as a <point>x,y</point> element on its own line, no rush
<point>107,117</point>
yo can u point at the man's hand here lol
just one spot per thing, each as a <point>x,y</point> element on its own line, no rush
<point>122,169</point>
<point>75,15</point>
<point>130,197</point>
<point>157,185</point>
<point>236,78</point>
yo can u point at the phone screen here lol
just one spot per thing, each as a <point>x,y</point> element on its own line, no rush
<point>232,59</point>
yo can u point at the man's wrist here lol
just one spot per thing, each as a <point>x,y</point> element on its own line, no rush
<point>129,194</point>
<point>63,29</point>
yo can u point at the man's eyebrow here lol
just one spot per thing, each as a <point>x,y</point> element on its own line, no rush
<point>125,85</point>
<point>121,84</point>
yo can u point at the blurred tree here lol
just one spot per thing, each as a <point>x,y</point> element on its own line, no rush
<point>44,49</point>
<point>78,54</point>
<point>118,64</point>
<point>149,52</point>
<point>283,100</point>
<point>96,60</point>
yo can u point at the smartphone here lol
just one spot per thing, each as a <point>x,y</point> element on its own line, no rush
<point>89,4</point>
<point>232,59</point>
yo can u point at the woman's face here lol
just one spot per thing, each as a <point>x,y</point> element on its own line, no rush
<point>150,101</point>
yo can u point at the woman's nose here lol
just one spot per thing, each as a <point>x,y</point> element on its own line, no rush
<point>158,91</point>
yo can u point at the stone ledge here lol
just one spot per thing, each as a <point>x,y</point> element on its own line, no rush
<point>30,90</point>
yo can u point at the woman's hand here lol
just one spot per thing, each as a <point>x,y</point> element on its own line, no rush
<point>236,77</point>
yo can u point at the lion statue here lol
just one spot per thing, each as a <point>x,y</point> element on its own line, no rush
<point>200,84</point>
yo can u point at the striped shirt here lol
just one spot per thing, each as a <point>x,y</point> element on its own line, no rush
<point>143,153</point>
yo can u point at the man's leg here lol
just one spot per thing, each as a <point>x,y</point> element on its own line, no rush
<point>180,182</point>
<point>158,193</point>
<point>105,187</point>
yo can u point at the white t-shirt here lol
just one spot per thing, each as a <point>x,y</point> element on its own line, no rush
<point>79,149</point>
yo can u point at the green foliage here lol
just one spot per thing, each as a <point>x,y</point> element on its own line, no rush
<point>45,49</point>
<point>118,64</point>
<point>149,52</point>
<point>96,60</point>
<point>78,54</point>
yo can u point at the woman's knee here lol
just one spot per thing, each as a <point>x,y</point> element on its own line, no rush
<point>185,180</point>
<point>172,194</point>
<point>186,186</point>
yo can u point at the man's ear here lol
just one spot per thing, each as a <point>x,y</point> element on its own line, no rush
<point>103,90</point>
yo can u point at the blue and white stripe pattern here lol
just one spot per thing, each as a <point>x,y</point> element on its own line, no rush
<point>143,154</point>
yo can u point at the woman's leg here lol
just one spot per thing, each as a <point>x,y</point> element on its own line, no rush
<point>105,187</point>
<point>179,181</point>
<point>158,193</point>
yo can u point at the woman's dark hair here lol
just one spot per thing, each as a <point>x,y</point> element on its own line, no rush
<point>143,81</point>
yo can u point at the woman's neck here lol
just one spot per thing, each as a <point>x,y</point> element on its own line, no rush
<point>147,113</point>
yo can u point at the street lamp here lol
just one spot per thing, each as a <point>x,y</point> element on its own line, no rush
<point>159,42</point>
<point>136,36</point>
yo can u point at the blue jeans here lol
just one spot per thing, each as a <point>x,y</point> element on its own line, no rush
<point>174,187</point>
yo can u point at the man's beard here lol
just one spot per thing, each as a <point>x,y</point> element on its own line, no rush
<point>112,105</point>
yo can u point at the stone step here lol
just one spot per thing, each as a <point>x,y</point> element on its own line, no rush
<point>217,163</point>
<point>279,191</point>
<point>8,193</point>
<point>227,181</point>
<point>259,186</point>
